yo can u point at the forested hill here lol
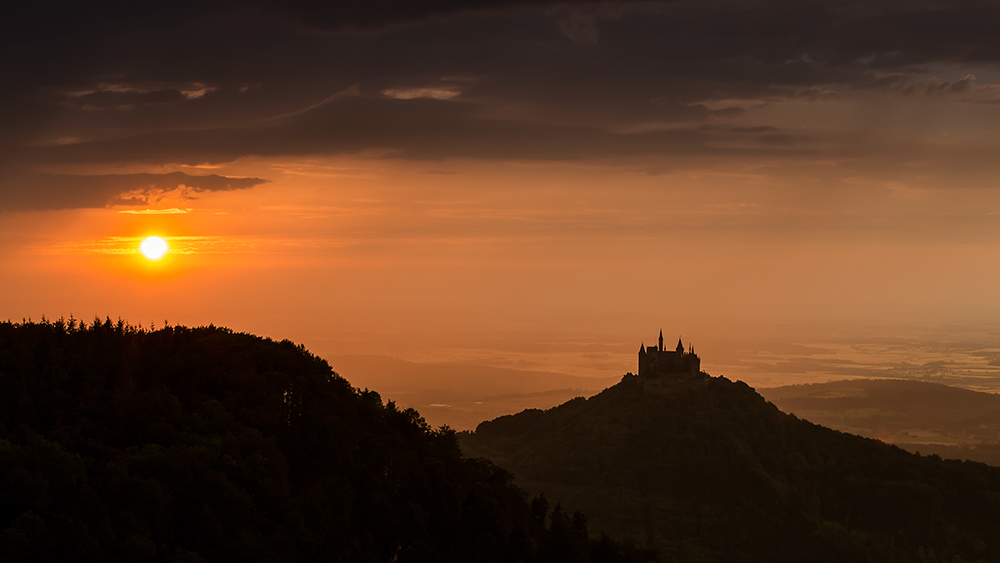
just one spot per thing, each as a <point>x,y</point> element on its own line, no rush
<point>121,444</point>
<point>716,473</point>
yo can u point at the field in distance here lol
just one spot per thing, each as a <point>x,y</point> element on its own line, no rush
<point>918,416</point>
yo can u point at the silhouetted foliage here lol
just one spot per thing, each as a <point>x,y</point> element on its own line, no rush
<point>122,444</point>
<point>716,473</point>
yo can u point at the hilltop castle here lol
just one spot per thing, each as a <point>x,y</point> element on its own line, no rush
<point>660,369</point>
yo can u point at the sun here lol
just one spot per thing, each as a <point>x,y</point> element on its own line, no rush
<point>153,248</point>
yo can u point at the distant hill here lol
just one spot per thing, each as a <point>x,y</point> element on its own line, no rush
<point>187,445</point>
<point>463,395</point>
<point>716,473</point>
<point>919,416</point>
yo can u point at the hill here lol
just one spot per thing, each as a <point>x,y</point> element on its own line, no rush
<point>120,444</point>
<point>717,473</point>
<point>915,415</point>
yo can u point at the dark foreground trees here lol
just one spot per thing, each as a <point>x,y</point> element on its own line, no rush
<point>118,443</point>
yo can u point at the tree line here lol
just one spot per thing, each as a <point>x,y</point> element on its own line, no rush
<point>119,443</point>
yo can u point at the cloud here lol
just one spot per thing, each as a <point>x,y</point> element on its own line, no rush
<point>350,92</point>
<point>419,128</point>
<point>542,81</point>
<point>106,99</point>
<point>27,191</point>
<point>934,86</point>
<point>118,245</point>
<point>580,28</point>
<point>126,97</point>
<point>413,93</point>
<point>170,211</point>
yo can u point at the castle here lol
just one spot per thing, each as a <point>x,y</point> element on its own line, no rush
<point>663,369</point>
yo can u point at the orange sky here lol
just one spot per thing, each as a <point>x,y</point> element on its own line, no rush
<point>547,204</point>
<point>380,257</point>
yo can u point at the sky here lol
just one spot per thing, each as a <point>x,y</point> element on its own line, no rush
<point>804,190</point>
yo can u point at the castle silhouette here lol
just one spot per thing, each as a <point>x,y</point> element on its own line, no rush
<point>664,369</point>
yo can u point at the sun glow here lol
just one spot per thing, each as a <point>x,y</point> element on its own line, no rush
<point>153,248</point>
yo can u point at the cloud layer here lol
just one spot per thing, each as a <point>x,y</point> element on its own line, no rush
<point>650,84</point>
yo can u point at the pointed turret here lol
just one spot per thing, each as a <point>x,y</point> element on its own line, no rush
<point>661,340</point>
<point>680,346</point>
<point>642,348</point>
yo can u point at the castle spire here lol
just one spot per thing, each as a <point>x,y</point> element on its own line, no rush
<point>680,346</point>
<point>661,340</point>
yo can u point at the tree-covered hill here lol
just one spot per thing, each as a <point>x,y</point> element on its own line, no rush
<point>716,473</point>
<point>121,444</point>
<point>918,416</point>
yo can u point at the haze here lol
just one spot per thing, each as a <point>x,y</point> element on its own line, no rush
<point>805,191</point>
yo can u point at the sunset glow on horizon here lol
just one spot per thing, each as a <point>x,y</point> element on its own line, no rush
<point>536,188</point>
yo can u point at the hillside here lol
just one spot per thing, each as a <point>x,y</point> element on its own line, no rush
<point>121,444</point>
<point>915,415</point>
<point>719,474</point>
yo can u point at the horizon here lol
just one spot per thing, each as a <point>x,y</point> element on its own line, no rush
<point>460,393</point>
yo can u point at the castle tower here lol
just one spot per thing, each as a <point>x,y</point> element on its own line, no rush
<point>661,369</point>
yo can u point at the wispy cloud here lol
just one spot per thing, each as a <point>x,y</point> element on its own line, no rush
<point>129,97</point>
<point>130,245</point>
<point>434,93</point>
<point>170,211</point>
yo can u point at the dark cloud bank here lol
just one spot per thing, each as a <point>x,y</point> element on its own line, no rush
<point>63,191</point>
<point>183,83</point>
